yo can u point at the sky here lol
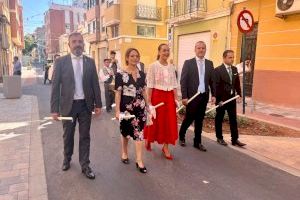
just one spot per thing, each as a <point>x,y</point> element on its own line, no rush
<point>33,13</point>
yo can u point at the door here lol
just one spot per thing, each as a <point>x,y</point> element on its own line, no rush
<point>251,39</point>
<point>186,47</point>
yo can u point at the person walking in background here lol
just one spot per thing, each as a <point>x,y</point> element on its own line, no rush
<point>130,86</point>
<point>197,76</point>
<point>227,86</point>
<point>162,88</point>
<point>114,63</point>
<point>17,66</point>
<point>76,93</point>
<point>109,76</point>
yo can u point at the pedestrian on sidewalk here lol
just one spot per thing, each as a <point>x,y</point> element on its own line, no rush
<point>17,66</point>
<point>109,77</point>
<point>227,86</point>
<point>197,76</point>
<point>162,88</point>
<point>76,93</point>
<point>130,85</point>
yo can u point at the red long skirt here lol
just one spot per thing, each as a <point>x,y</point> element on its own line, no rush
<point>164,128</point>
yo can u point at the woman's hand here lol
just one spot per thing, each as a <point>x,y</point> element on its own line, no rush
<point>118,115</point>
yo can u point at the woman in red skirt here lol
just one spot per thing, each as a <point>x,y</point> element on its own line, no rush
<point>162,84</point>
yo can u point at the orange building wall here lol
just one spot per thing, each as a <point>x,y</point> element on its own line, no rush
<point>277,67</point>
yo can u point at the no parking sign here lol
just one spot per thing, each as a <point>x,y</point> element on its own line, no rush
<point>245,21</point>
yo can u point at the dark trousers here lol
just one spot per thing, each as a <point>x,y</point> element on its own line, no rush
<point>46,76</point>
<point>18,73</point>
<point>195,111</point>
<point>81,113</point>
<point>109,96</point>
<point>231,111</point>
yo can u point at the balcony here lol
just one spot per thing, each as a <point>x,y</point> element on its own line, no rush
<point>187,10</point>
<point>112,15</point>
<point>93,13</point>
<point>93,37</point>
<point>148,13</point>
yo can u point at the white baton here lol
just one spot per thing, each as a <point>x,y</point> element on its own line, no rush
<point>225,102</point>
<point>191,99</point>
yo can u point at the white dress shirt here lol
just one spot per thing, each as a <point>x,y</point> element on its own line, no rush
<point>201,71</point>
<point>77,63</point>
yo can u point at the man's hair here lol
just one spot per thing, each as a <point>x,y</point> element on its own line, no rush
<point>226,52</point>
<point>200,42</point>
<point>75,34</point>
<point>56,55</point>
<point>113,52</point>
<point>106,59</point>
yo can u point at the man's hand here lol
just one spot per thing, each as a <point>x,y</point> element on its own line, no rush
<point>97,111</point>
<point>55,116</point>
<point>185,102</point>
<point>213,100</point>
<point>239,100</point>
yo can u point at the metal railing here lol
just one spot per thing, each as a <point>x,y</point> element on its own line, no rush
<point>148,12</point>
<point>183,7</point>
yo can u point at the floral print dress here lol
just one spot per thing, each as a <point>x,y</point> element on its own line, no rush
<point>132,102</point>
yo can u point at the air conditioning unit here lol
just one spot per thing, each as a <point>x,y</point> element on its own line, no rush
<point>287,7</point>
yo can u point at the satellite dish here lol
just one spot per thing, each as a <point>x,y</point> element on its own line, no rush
<point>284,5</point>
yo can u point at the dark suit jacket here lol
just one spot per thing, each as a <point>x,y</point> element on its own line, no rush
<point>190,80</point>
<point>63,85</point>
<point>223,84</point>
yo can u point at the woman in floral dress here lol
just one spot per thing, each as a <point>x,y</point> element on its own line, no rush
<point>130,98</point>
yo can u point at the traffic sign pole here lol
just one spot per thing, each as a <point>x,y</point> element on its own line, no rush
<point>244,53</point>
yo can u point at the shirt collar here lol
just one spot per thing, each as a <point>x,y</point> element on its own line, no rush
<point>199,59</point>
<point>227,66</point>
<point>76,57</point>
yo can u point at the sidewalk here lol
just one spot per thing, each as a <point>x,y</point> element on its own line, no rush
<point>22,171</point>
<point>285,117</point>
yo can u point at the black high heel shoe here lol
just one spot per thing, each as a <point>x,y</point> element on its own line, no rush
<point>142,170</point>
<point>125,161</point>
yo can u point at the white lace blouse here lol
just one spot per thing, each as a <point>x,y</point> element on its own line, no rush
<point>161,77</point>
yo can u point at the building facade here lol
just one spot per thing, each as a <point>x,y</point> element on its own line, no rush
<point>59,20</point>
<point>39,35</point>
<point>119,24</point>
<point>198,20</point>
<point>274,49</point>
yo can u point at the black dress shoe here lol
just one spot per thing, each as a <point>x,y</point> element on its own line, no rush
<point>66,166</point>
<point>182,143</point>
<point>200,147</point>
<point>88,173</point>
<point>222,142</point>
<point>238,143</point>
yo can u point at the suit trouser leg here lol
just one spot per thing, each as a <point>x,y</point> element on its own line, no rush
<point>84,119</point>
<point>199,117</point>
<point>231,110</point>
<point>187,121</point>
<point>220,112</point>
<point>68,136</point>
<point>107,96</point>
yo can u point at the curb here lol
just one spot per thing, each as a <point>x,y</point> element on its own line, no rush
<point>37,175</point>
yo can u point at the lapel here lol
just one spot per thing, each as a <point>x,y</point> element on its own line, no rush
<point>206,71</point>
<point>69,65</point>
<point>84,68</point>
<point>225,74</point>
<point>195,65</point>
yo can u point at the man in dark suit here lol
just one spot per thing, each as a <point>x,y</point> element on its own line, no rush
<point>76,93</point>
<point>227,86</point>
<point>197,76</point>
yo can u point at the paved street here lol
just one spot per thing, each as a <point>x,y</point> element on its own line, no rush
<point>221,173</point>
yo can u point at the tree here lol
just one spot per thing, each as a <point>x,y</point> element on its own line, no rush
<point>30,43</point>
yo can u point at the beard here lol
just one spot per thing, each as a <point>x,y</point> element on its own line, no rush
<point>78,51</point>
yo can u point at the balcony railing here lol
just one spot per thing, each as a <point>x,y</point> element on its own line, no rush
<point>148,13</point>
<point>184,7</point>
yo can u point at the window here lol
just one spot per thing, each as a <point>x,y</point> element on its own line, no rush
<point>145,30</point>
<point>92,27</point>
<point>115,31</point>
<point>101,23</point>
<point>92,3</point>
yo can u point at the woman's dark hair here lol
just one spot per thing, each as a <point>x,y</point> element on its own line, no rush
<point>159,48</point>
<point>128,51</point>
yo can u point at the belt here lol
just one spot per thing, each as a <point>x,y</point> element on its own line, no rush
<point>78,100</point>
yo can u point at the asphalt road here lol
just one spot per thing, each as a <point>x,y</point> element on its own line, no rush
<point>219,174</point>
